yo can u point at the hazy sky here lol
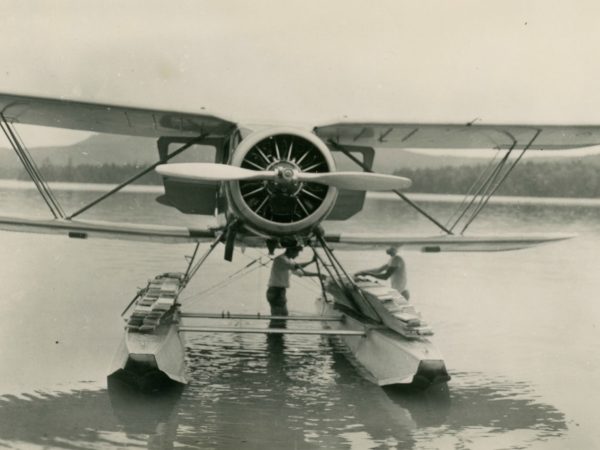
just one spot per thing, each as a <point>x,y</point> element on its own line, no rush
<point>313,62</point>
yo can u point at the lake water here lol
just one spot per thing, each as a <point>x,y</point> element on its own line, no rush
<point>519,332</point>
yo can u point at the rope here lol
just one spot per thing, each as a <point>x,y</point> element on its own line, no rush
<point>244,271</point>
<point>247,269</point>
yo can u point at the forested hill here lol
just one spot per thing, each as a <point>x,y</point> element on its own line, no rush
<point>568,178</point>
<point>565,178</point>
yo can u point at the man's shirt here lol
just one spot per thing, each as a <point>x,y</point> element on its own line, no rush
<point>280,271</point>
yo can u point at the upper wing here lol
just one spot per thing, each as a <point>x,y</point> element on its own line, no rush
<point>461,136</point>
<point>116,119</point>
<point>102,118</point>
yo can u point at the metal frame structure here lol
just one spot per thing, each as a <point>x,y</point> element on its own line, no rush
<point>484,188</point>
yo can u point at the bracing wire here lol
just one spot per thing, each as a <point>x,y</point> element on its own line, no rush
<point>38,174</point>
<point>30,167</point>
<point>475,187</point>
<point>493,191</point>
<point>498,178</point>
<point>483,190</point>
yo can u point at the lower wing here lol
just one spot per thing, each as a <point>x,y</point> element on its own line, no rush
<point>443,243</point>
<point>349,241</point>
<point>108,230</point>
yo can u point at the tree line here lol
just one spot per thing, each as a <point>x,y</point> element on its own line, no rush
<point>85,173</point>
<point>572,178</point>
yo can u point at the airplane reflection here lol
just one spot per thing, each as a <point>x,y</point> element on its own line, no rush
<point>277,392</point>
<point>474,401</point>
<point>140,414</point>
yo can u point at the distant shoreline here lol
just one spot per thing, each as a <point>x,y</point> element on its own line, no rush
<point>577,178</point>
<point>422,197</point>
<point>75,186</point>
<point>496,199</point>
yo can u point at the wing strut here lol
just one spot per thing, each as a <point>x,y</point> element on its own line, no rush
<point>139,175</point>
<point>31,168</point>
<point>194,266</point>
<point>492,184</point>
<point>482,191</point>
<point>400,194</point>
<point>340,274</point>
<point>474,190</point>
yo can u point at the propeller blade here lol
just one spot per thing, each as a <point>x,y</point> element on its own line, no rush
<point>363,181</point>
<point>360,181</point>
<point>212,172</point>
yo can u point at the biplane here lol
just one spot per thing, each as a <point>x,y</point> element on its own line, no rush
<point>272,188</point>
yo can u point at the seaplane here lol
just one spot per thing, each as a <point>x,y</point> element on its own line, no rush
<point>273,187</point>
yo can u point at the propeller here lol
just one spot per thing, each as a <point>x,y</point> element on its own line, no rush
<point>213,172</point>
<point>364,181</point>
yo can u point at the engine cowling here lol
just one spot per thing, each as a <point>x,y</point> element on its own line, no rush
<point>284,206</point>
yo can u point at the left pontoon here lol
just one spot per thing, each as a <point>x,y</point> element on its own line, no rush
<point>152,352</point>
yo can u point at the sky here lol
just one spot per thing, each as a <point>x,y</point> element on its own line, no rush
<point>313,62</point>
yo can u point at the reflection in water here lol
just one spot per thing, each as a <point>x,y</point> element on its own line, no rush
<point>63,420</point>
<point>501,405</point>
<point>275,393</point>
<point>428,408</point>
<point>152,415</point>
<point>283,392</point>
<point>113,418</point>
<point>496,406</point>
<point>285,397</point>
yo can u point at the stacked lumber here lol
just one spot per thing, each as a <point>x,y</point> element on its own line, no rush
<point>156,302</point>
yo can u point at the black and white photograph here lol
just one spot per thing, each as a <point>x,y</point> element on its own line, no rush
<point>300,225</point>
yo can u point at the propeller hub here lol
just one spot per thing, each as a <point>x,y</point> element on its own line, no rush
<point>286,182</point>
<point>287,174</point>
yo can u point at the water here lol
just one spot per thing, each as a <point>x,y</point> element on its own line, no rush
<point>518,330</point>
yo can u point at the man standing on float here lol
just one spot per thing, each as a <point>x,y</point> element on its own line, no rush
<point>279,281</point>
